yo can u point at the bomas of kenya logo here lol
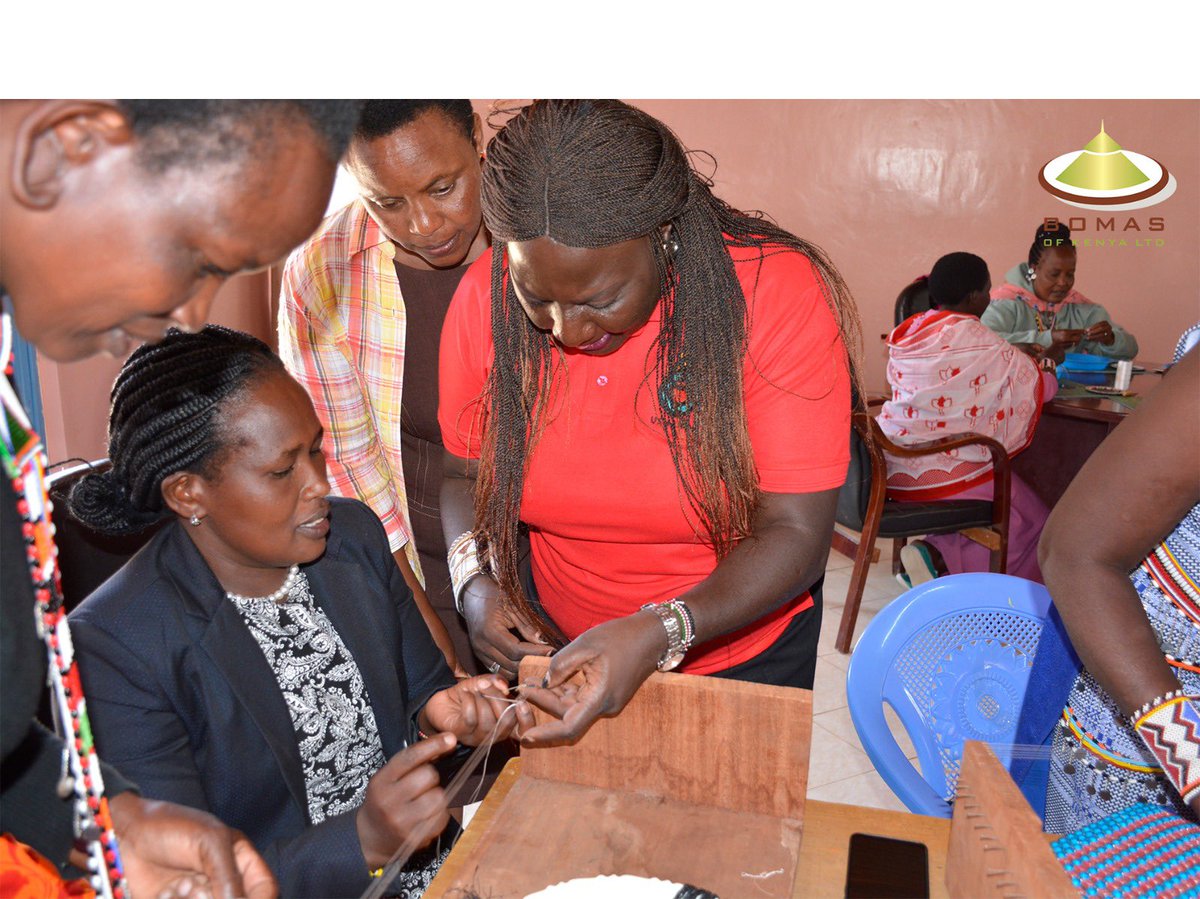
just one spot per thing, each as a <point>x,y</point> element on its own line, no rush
<point>1105,176</point>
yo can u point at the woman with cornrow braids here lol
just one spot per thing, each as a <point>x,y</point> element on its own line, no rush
<point>655,387</point>
<point>262,657</point>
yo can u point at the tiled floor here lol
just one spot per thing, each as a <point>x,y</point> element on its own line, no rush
<point>839,770</point>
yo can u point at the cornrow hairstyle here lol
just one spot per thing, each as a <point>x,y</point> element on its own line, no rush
<point>192,133</point>
<point>166,417</point>
<point>591,173</point>
<point>954,278</point>
<point>1048,238</point>
<point>381,117</point>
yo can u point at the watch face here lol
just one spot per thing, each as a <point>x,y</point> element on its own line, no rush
<point>670,662</point>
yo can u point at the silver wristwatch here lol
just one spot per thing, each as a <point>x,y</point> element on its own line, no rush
<point>681,630</point>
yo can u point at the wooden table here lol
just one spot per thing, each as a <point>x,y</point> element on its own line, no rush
<point>823,848</point>
<point>1070,430</point>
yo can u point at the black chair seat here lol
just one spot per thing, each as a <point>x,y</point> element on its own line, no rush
<point>944,517</point>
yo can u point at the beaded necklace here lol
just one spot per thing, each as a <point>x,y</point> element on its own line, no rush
<point>24,462</point>
<point>1042,326</point>
<point>1037,314</point>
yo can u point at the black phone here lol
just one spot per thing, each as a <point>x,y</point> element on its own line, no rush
<point>884,868</point>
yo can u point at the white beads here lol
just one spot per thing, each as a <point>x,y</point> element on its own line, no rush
<point>279,595</point>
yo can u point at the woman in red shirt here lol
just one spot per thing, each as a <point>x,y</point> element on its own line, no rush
<point>655,386</point>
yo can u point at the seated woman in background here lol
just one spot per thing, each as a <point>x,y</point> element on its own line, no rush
<point>1039,310</point>
<point>261,657</point>
<point>1123,566</point>
<point>949,375</point>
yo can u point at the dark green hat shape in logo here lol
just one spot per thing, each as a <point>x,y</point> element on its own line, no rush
<point>1102,165</point>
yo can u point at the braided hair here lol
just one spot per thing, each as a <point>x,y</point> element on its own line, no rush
<point>1047,239</point>
<point>166,417</point>
<point>592,173</point>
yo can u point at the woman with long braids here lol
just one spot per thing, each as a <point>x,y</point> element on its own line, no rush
<point>655,386</point>
<point>262,657</point>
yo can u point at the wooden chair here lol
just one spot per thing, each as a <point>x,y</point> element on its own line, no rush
<point>863,507</point>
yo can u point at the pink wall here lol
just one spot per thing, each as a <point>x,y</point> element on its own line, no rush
<point>75,394</point>
<point>885,187</point>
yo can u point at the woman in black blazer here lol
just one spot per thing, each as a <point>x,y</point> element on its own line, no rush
<point>262,657</point>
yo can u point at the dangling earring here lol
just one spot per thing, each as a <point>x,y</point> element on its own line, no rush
<point>194,521</point>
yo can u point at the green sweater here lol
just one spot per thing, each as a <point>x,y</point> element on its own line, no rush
<point>1010,316</point>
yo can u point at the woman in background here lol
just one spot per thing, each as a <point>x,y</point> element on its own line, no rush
<point>262,657</point>
<point>949,374</point>
<point>360,322</point>
<point>1039,309</point>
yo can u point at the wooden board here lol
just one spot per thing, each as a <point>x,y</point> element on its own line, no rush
<point>698,780</point>
<point>821,871</point>
<point>997,846</point>
<point>699,740</point>
<point>825,846</point>
<point>547,832</point>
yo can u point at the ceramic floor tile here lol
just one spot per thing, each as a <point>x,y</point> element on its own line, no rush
<point>834,590</point>
<point>838,722</point>
<point>830,619</point>
<point>833,759</point>
<point>837,561</point>
<point>865,614</point>
<point>829,687</point>
<point>866,789</point>
<point>838,660</point>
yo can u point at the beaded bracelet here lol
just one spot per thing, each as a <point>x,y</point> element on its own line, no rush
<point>1171,730</point>
<point>463,561</point>
<point>1154,703</point>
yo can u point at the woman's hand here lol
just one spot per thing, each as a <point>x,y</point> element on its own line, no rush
<point>1101,332</point>
<point>491,620</point>
<point>1045,357</point>
<point>404,799</point>
<point>471,708</point>
<point>1065,338</point>
<point>170,850</point>
<point>614,658</point>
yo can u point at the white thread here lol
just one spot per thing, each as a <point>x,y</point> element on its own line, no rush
<point>764,875</point>
<point>380,884</point>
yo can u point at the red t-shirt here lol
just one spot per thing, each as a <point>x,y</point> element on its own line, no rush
<point>609,524</point>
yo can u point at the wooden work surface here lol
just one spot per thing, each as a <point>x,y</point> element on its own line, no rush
<point>821,872</point>
<point>698,780</point>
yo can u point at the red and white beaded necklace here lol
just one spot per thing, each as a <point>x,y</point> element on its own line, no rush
<point>24,462</point>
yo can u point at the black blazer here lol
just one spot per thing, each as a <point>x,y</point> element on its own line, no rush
<point>182,700</point>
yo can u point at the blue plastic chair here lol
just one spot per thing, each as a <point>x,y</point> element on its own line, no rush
<point>952,658</point>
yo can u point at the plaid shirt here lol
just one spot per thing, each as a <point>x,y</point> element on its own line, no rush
<point>341,335</point>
